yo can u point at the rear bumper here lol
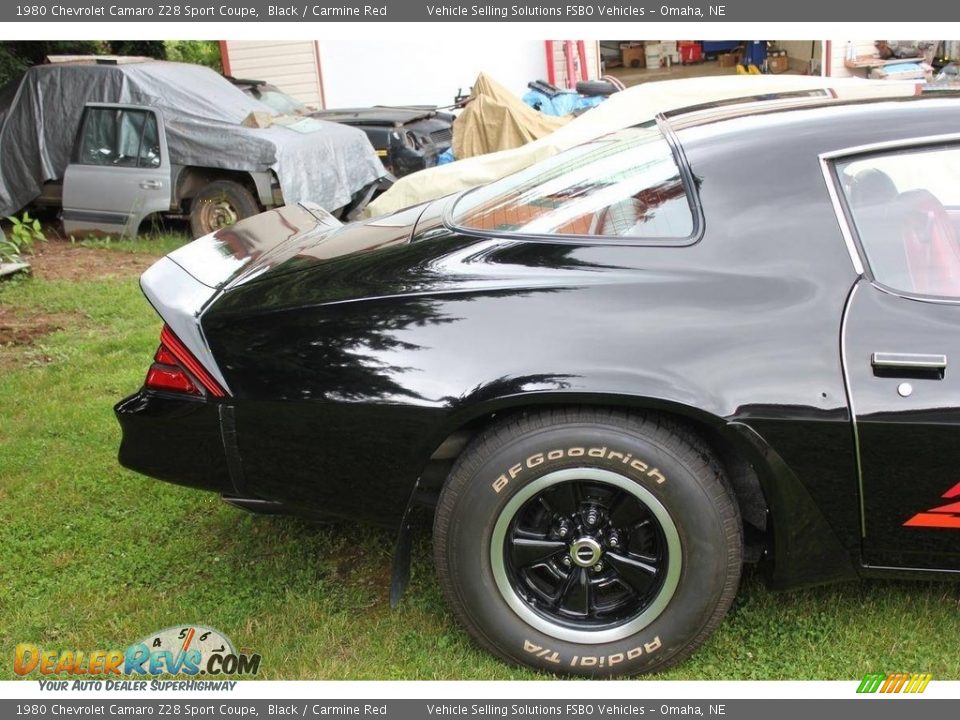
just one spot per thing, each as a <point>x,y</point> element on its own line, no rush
<point>174,439</point>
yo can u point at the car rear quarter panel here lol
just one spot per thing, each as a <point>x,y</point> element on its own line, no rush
<point>349,374</point>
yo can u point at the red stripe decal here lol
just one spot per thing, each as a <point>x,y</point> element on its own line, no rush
<point>951,508</point>
<point>933,520</point>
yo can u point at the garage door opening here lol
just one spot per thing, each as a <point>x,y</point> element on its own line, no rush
<point>634,62</point>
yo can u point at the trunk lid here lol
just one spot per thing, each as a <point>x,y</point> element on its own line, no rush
<point>285,240</point>
<point>253,245</point>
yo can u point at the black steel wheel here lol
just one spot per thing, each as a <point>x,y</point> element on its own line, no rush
<point>588,542</point>
<point>584,553</point>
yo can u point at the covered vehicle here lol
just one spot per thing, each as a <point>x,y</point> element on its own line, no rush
<point>115,141</point>
<point>407,138</point>
<point>496,119</point>
<point>608,380</point>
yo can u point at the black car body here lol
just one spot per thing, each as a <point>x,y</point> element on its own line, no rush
<point>345,370</point>
<point>407,138</point>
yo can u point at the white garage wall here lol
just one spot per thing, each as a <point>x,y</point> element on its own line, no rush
<point>838,52</point>
<point>291,66</point>
<point>592,52</point>
<point>425,72</point>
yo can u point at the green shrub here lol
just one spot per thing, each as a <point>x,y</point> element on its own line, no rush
<point>25,231</point>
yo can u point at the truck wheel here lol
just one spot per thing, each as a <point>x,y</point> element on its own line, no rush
<point>588,542</point>
<point>219,204</point>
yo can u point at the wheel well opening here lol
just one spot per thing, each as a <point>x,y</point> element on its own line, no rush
<point>193,179</point>
<point>741,474</point>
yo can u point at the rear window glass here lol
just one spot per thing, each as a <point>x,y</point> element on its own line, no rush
<point>623,185</point>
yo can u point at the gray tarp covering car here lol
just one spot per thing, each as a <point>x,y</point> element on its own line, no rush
<point>315,161</point>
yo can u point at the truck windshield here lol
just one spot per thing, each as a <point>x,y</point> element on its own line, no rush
<point>626,184</point>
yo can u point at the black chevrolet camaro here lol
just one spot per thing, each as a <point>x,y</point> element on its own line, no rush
<point>612,378</point>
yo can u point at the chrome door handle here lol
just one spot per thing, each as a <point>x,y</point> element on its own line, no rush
<point>151,184</point>
<point>901,363</point>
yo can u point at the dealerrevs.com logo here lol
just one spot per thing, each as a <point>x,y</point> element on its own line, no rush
<point>183,650</point>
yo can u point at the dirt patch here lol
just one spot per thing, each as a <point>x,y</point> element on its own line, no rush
<point>60,260</point>
<point>22,327</point>
<point>20,330</point>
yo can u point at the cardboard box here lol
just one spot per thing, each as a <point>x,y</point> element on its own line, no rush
<point>728,59</point>
<point>632,56</point>
<point>778,64</point>
<point>257,119</point>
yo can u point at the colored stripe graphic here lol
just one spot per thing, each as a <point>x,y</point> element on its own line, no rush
<point>894,683</point>
<point>871,682</point>
<point>918,683</point>
<point>933,520</point>
<point>945,516</point>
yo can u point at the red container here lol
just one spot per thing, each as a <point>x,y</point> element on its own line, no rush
<point>690,51</point>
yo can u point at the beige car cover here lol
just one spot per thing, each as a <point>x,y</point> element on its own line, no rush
<point>624,109</point>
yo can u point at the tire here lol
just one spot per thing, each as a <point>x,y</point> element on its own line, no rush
<point>615,81</point>
<point>220,204</point>
<point>596,87</point>
<point>588,475</point>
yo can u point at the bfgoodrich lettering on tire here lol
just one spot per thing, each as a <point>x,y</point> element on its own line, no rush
<point>588,541</point>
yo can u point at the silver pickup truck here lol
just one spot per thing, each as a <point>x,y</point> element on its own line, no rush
<point>114,142</point>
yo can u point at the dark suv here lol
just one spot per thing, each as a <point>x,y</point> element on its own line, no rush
<point>407,138</point>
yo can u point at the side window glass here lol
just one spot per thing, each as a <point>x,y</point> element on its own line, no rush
<point>149,156</point>
<point>906,210</point>
<point>119,138</point>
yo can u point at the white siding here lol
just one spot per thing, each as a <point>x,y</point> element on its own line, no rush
<point>592,51</point>
<point>355,72</point>
<point>425,71</point>
<point>291,66</point>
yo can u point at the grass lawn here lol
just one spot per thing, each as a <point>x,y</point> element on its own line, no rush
<point>95,557</point>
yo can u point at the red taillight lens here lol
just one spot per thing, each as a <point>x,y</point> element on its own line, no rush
<point>164,356</point>
<point>175,369</point>
<point>173,379</point>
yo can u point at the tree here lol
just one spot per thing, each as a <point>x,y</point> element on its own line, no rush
<point>199,52</point>
<point>16,56</point>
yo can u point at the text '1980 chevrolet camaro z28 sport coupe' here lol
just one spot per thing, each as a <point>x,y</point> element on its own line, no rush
<point>611,378</point>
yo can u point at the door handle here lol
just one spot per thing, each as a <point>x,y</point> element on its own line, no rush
<point>151,184</point>
<point>908,365</point>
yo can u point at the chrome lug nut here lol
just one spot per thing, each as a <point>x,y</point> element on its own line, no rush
<point>592,517</point>
<point>598,567</point>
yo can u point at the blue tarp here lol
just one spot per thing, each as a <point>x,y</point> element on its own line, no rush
<point>905,66</point>
<point>562,104</point>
